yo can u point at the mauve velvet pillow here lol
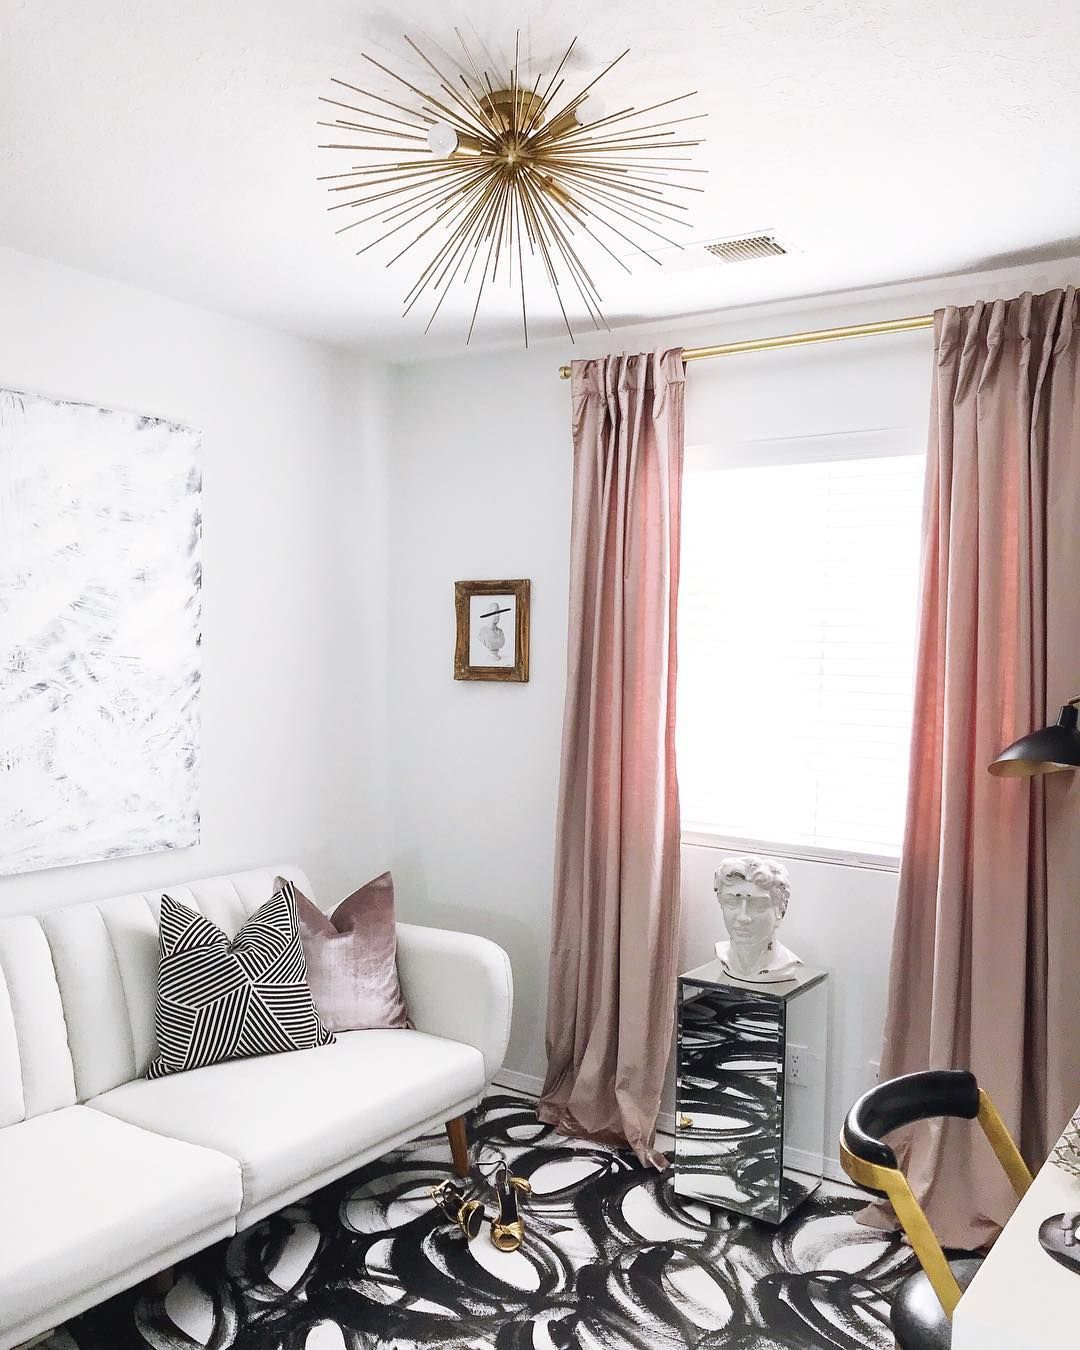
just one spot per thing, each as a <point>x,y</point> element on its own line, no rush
<point>352,958</point>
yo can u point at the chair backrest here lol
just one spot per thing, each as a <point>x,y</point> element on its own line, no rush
<point>871,1162</point>
<point>78,987</point>
<point>903,1101</point>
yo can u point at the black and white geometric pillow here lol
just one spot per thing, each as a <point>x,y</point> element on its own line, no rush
<point>222,1000</point>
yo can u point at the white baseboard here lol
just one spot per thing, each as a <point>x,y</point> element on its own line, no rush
<point>532,1086</point>
<point>804,1161</point>
<point>528,1083</point>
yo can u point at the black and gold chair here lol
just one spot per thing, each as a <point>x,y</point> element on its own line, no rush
<point>923,1307</point>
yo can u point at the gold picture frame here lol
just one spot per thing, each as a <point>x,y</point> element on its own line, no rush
<point>489,647</point>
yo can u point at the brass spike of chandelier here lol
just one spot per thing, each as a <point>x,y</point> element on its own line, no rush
<point>510,175</point>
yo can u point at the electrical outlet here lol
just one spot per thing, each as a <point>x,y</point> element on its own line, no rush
<point>797,1065</point>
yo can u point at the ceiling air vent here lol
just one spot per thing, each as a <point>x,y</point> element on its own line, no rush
<point>746,248</point>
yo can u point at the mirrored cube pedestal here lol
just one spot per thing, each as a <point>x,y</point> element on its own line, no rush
<point>750,1091</point>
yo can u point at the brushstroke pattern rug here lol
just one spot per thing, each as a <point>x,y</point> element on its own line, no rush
<point>613,1260</point>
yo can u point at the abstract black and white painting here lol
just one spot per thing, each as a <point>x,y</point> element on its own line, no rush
<point>613,1259</point>
<point>100,588</point>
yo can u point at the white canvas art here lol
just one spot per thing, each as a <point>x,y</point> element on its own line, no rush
<point>100,531</point>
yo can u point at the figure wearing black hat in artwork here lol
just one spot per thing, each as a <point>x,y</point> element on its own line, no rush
<point>490,634</point>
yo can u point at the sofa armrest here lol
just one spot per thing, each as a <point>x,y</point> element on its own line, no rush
<point>459,986</point>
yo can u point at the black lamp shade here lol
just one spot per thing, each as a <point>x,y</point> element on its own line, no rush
<point>1046,751</point>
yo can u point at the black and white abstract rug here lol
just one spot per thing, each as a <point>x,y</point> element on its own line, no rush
<point>612,1260</point>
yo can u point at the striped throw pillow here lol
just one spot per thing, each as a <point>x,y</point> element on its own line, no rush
<point>220,999</point>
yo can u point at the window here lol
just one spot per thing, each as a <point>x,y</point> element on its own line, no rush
<point>796,643</point>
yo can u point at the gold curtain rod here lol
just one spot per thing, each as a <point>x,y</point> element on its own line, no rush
<point>769,344</point>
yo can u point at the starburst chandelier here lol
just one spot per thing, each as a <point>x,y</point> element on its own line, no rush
<point>502,179</point>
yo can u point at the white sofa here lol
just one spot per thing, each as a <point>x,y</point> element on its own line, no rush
<point>107,1178</point>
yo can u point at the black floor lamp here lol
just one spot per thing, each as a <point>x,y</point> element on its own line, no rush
<point>1055,747</point>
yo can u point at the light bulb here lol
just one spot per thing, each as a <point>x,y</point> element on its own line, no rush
<point>442,139</point>
<point>591,109</point>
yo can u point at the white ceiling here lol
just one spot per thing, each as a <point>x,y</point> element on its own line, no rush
<point>172,144</point>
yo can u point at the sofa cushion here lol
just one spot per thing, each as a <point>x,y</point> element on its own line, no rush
<point>36,1073</point>
<point>86,1195</point>
<point>220,999</point>
<point>103,958</point>
<point>352,958</point>
<point>289,1118</point>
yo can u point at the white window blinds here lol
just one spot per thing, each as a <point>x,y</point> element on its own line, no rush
<point>796,642</point>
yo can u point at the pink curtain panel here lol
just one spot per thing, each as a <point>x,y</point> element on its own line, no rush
<point>986,953</point>
<point>616,896</point>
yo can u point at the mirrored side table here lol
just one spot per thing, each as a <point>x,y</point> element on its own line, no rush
<point>750,1091</point>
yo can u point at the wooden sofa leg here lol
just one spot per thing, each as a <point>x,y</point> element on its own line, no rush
<point>163,1281</point>
<point>459,1145</point>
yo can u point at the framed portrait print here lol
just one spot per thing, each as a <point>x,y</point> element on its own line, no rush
<point>492,630</point>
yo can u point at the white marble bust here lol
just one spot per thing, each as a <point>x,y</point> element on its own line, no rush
<point>754,894</point>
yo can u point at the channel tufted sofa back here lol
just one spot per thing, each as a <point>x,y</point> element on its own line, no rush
<point>78,987</point>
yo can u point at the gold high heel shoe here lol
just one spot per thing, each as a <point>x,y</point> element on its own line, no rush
<point>508,1231</point>
<point>467,1214</point>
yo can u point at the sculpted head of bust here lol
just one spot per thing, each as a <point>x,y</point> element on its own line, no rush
<point>753,894</point>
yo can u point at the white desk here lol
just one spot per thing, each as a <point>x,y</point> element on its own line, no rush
<point>1022,1299</point>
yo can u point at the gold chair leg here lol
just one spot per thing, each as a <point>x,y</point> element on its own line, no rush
<point>459,1145</point>
<point>1001,1141</point>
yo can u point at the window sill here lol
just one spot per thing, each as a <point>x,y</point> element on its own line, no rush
<point>702,837</point>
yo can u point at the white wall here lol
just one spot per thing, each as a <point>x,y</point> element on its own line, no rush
<point>293,696</point>
<point>480,487</point>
